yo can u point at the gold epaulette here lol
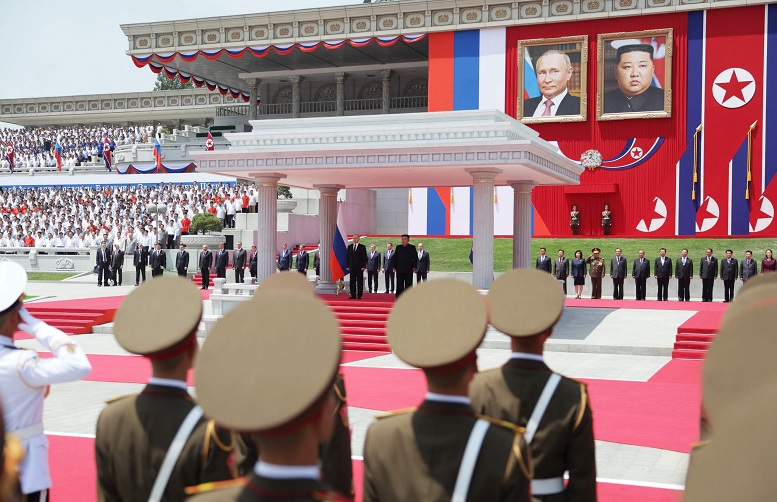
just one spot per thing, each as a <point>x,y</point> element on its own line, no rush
<point>118,398</point>
<point>210,433</point>
<point>215,485</point>
<point>395,413</point>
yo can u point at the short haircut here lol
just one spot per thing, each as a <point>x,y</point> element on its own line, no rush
<point>729,251</point>
<point>662,249</point>
<point>578,251</point>
<point>635,48</point>
<point>684,249</point>
<point>619,249</point>
<point>748,251</point>
<point>406,235</point>
<point>709,249</point>
<point>543,249</point>
<point>554,52</point>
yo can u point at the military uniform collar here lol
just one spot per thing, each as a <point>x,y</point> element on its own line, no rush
<point>524,355</point>
<point>446,408</point>
<point>274,471</point>
<point>7,342</point>
<point>447,398</point>
<point>168,382</point>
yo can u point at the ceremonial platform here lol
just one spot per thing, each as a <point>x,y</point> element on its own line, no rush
<point>646,404</point>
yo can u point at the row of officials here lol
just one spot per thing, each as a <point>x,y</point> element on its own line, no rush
<point>270,420</point>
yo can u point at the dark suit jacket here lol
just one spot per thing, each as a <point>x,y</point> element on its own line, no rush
<point>182,259</point>
<point>618,268</point>
<point>284,261</point>
<point>117,259</point>
<point>103,262</point>
<point>206,260</point>
<point>252,259</point>
<point>663,271</point>
<point>139,258</point>
<point>416,456</point>
<point>373,261</point>
<point>544,264</point>
<point>389,261</point>
<point>560,270</point>
<point>708,271</point>
<point>356,257</point>
<point>423,262</point>
<point>239,258</point>
<point>222,258</point>
<point>158,259</point>
<point>729,271</point>
<point>303,259</point>
<point>570,105</point>
<point>683,271</point>
<point>747,271</point>
<point>652,100</point>
<point>641,269</point>
<point>405,259</point>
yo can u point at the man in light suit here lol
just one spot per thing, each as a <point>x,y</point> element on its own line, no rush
<point>708,270</point>
<point>373,267</point>
<point>640,272</point>
<point>182,261</point>
<point>423,265</point>
<point>663,271</point>
<point>561,269</point>
<point>618,274</point>
<point>303,261</point>
<point>554,70</point>
<point>206,261</point>
<point>683,271</point>
<point>729,269</point>
<point>284,258</point>
<point>222,261</point>
<point>388,267</point>
<point>356,262</point>
<point>543,261</point>
<point>748,268</point>
<point>158,260</point>
<point>239,263</point>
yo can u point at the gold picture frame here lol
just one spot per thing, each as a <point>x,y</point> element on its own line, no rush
<point>574,104</point>
<point>634,83</point>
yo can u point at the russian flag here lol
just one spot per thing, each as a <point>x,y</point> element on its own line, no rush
<point>58,155</point>
<point>158,155</point>
<point>339,253</point>
<point>532,89</point>
<point>107,152</point>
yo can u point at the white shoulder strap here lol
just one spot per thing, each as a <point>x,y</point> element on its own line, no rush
<point>469,460</point>
<point>542,405</point>
<point>171,458</point>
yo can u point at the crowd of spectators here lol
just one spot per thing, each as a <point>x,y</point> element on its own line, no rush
<point>79,217</point>
<point>34,147</point>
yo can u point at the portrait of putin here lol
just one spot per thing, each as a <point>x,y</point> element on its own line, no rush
<point>554,71</point>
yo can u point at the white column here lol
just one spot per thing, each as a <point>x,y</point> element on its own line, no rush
<point>521,223</point>
<point>327,217</point>
<point>268,223</point>
<point>483,226</point>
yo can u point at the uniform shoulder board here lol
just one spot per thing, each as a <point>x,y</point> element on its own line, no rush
<point>502,423</point>
<point>118,398</point>
<point>395,413</point>
<point>331,496</point>
<point>215,485</point>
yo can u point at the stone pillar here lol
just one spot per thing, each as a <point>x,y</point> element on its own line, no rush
<point>295,101</point>
<point>522,223</point>
<point>340,78</point>
<point>327,217</point>
<point>253,91</point>
<point>267,194</point>
<point>483,226</point>
<point>386,76</point>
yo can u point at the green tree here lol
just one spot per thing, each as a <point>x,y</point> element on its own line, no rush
<point>284,192</point>
<point>203,222</point>
<point>170,84</point>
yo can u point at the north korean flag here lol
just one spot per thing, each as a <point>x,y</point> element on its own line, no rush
<point>209,146</point>
<point>9,154</point>
<point>107,152</point>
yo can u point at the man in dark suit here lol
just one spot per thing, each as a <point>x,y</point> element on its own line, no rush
<point>252,261</point>
<point>405,263</point>
<point>239,263</point>
<point>139,260</point>
<point>561,270</point>
<point>708,271</point>
<point>748,268</point>
<point>221,261</point>
<point>634,71</point>
<point>373,268</point>
<point>422,268</point>
<point>729,270</point>
<point>640,272</point>
<point>284,258</point>
<point>182,261</point>
<point>554,70</point>
<point>117,264</point>
<point>388,268</point>
<point>206,261</point>
<point>543,261</point>
<point>356,261</point>
<point>103,264</point>
<point>663,271</point>
<point>303,259</point>
<point>158,260</point>
<point>618,274</point>
<point>683,271</point>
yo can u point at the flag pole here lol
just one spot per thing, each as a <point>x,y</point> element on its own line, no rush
<point>695,160</point>
<point>749,156</point>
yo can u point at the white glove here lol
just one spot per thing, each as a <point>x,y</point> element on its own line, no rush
<point>29,323</point>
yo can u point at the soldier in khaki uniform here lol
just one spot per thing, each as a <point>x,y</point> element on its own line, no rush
<point>443,450</point>
<point>555,410</point>
<point>268,371</point>
<point>596,271</point>
<point>136,454</point>
<point>740,403</point>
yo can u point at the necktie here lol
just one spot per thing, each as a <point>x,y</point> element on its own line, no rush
<point>546,112</point>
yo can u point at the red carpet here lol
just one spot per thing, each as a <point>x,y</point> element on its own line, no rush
<point>73,472</point>
<point>679,371</point>
<point>696,334</point>
<point>646,304</point>
<point>384,389</point>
